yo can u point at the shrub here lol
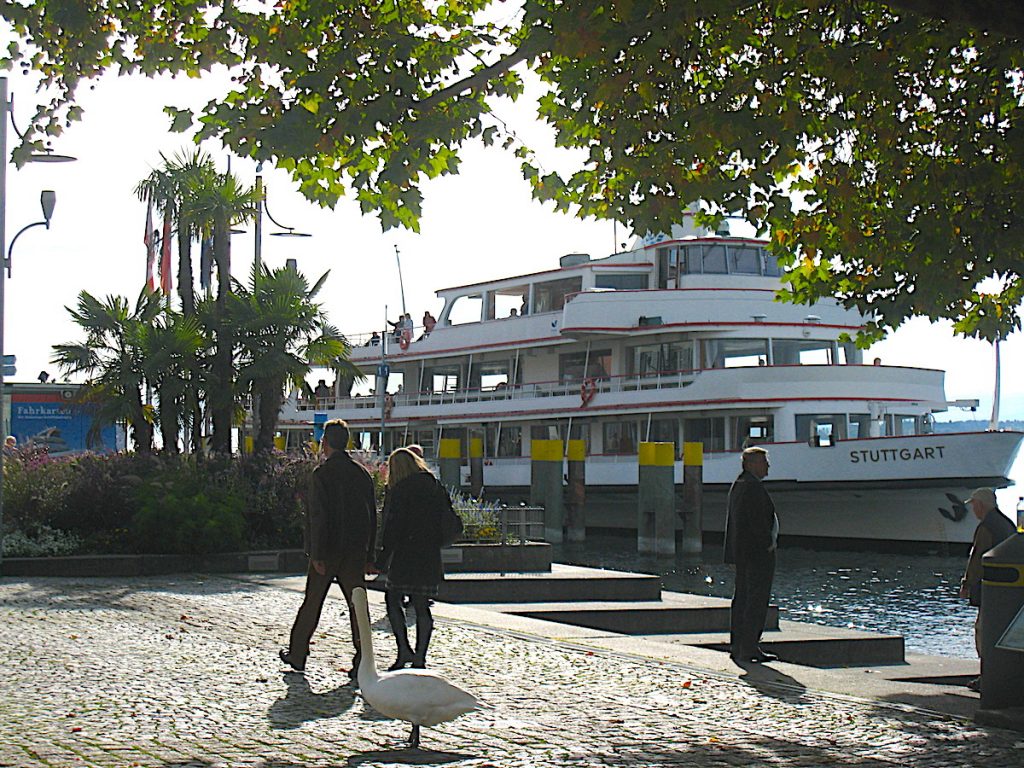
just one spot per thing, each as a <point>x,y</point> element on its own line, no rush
<point>44,542</point>
<point>481,520</point>
<point>182,512</point>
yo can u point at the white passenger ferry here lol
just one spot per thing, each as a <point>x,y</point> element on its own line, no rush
<point>678,339</point>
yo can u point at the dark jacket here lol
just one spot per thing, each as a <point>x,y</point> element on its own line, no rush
<point>993,529</point>
<point>751,518</point>
<point>411,541</point>
<point>341,517</point>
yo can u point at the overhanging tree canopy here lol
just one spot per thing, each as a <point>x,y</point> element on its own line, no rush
<point>896,125</point>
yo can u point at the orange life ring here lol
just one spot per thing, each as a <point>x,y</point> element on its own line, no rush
<point>587,391</point>
<point>405,338</point>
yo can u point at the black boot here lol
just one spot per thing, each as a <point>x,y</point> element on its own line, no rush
<point>396,615</point>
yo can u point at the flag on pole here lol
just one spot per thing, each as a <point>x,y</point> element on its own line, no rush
<point>165,254</point>
<point>149,238</point>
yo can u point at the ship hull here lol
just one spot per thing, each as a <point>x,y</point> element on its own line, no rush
<point>878,491</point>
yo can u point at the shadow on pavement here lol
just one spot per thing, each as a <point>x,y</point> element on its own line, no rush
<point>409,756</point>
<point>301,705</point>
<point>771,682</point>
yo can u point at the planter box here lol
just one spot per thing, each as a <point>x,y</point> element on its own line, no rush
<point>275,561</point>
<point>533,557</point>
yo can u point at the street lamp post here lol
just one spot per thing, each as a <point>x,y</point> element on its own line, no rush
<point>48,200</point>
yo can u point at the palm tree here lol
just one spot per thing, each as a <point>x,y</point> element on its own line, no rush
<point>169,189</point>
<point>113,357</point>
<point>173,347</point>
<point>282,333</point>
<point>215,202</point>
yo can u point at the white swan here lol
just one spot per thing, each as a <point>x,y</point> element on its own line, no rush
<point>416,696</point>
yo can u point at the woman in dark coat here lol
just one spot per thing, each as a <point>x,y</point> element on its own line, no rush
<point>411,550</point>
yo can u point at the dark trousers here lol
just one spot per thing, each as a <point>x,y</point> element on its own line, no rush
<point>750,602</point>
<point>424,626</point>
<point>348,574</point>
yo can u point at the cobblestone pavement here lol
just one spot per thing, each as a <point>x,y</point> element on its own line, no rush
<point>176,672</point>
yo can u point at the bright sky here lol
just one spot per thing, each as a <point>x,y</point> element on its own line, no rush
<point>479,225</point>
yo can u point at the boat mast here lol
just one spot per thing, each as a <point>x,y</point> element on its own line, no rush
<point>993,423</point>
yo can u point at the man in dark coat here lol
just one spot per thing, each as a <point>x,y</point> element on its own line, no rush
<point>751,533</point>
<point>993,528</point>
<point>341,528</point>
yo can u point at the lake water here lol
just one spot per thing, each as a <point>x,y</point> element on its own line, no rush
<point>911,595</point>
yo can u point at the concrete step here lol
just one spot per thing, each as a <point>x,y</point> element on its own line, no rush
<point>814,645</point>
<point>674,613</point>
<point>564,584</point>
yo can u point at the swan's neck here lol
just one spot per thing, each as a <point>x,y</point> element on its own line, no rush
<point>367,664</point>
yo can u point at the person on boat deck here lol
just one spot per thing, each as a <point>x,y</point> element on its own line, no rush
<point>374,340</point>
<point>751,535</point>
<point>322,392</point>
<point>411,550</point>
<point>994,528</point>
<point>513,312</point>
<point>341,527</point>
<point>429,321</point>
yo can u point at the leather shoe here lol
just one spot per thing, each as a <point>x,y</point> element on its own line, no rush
<point>291,661</point>
<point>763,657</point>
<point>975,685</point>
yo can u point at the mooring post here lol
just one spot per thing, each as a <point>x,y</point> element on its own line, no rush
<point>476,466</point>
<point>449,459</point>
<point>546,486</point>
<point>656,524</point>
<point>576,523</point>
<point>693,498</point>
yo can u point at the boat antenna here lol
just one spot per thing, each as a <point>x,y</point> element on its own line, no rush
<point>993,423</point>
<point>401,285</point>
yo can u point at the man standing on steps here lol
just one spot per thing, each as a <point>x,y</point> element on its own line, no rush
<point>751,534</point>
<point>993,528</point>
<point>341,529</point>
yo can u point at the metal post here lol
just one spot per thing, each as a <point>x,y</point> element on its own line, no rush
<point>5,106</point>
<point>258,249</point>
<point>546,485</point>
<point>656,529</point>
<point>693,498</point>
<point>576,525</point>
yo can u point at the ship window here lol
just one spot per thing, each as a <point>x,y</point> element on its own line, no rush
<point>506,443</point>
<point>709,431</point>
<point>620,437</point>
<point>664,431</point>
<point>801,352</point>
<point>822,429</point>
<point>769,264</point>
<point>901,424</point>
<point>465,309</point>
<point>735,353</point>
<point>443,378</point>
<point>552,431</point>
<point>714,259</point>
<point>689,259</point>
<point>550,296</point>
<point>754,430</point>
<point>651,359</point>
<point>858,425</point>
<point>492,376</point>
<point>667,266</point>
<point>621,281</point>
<point>423,438</point>
<point>511,298</point>
<point>744,259</point>
<point>570,367</point>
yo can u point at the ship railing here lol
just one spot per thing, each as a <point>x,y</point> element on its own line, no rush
<point>570,387</point>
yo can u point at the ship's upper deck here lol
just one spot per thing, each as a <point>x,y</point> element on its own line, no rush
<point>690,280</point>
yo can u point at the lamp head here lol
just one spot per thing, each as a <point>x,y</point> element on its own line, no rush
<point>48,199</point>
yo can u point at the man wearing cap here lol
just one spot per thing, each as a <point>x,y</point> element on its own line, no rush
<point>994,528</point>
<point>751,533</point>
